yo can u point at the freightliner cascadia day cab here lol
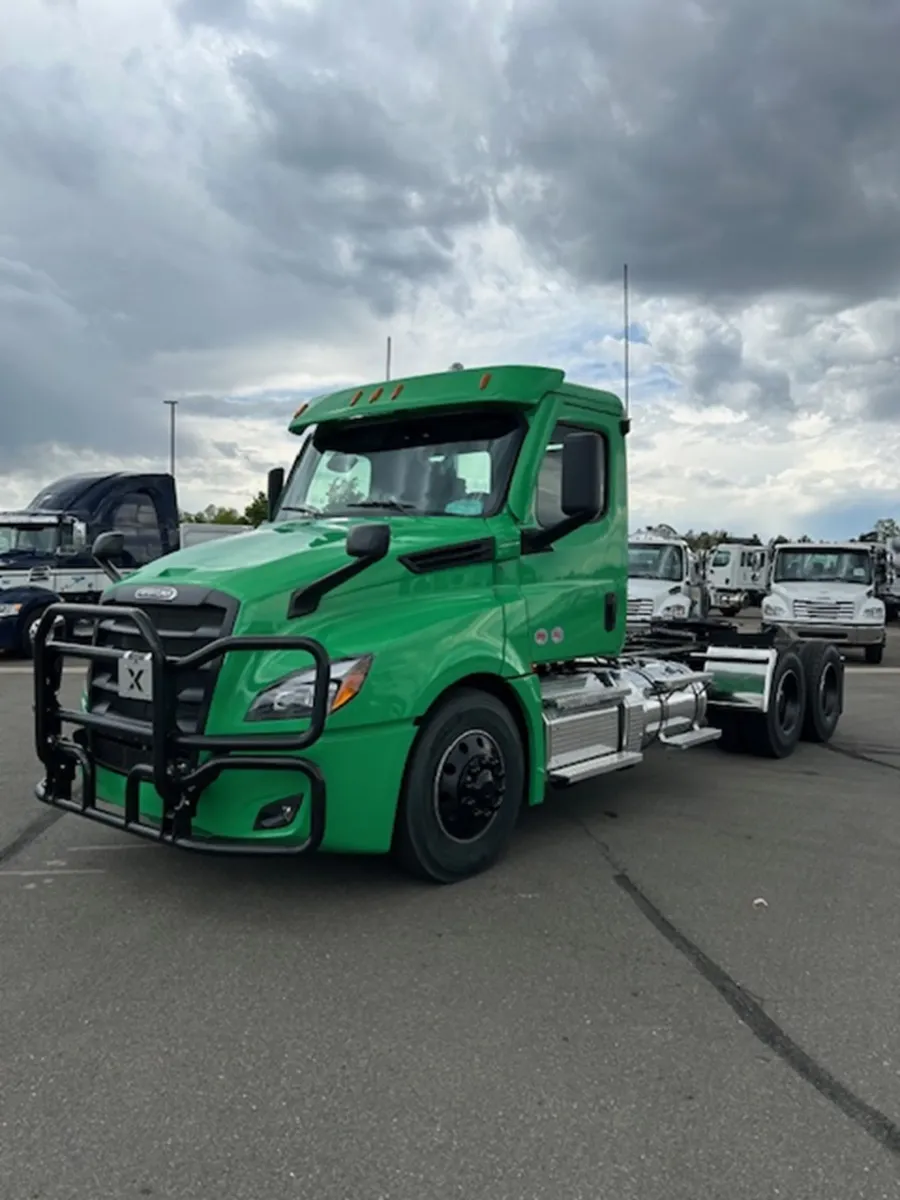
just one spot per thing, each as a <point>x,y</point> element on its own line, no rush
<point>425,635</point>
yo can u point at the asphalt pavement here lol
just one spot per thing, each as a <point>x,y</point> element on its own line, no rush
<point>681,983</point>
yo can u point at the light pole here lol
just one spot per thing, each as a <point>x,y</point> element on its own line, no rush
<point>173,404</point>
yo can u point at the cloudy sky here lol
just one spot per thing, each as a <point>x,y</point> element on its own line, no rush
<point>233,202</point>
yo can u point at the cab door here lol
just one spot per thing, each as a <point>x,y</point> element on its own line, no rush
<point>575,591</point>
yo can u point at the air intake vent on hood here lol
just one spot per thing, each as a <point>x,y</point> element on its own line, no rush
<point>462,554</point>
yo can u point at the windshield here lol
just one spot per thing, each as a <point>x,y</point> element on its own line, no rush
<point>31,539</point>
<point>655,562</point>
<point>436,465</point>
<point>821,566</point>
<point>721,558</point>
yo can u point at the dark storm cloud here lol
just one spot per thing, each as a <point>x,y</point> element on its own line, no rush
<point>723,147</point>
<point>169,216</point>
<point>249,173</point>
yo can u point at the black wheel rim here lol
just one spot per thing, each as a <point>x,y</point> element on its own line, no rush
<point>469,786</point>
<point>829,692</point>
<point>787,703</point>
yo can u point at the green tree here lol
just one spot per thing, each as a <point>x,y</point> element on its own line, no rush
<point>257,510</point>
<point>887,528</point>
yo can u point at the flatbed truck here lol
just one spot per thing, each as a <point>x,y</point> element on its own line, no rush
<point>426,635</point>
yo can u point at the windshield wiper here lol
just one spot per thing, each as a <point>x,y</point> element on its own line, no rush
<point>394,505</point>
<point>300,508</point>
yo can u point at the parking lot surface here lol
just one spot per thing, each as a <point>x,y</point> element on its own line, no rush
<point>682,982</point>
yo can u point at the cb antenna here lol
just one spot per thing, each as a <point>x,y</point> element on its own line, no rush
<point>627,343</point>
<point>387,360</point>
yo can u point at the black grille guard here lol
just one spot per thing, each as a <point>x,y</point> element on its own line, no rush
<point>179,784</point>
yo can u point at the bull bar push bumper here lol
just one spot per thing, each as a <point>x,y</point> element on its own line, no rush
<point>177,780</point>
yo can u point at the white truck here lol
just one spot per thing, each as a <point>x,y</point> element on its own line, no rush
<point>665,582</point>
<point>891,594</point>
<point>735,574</point>
<point>828,591</point>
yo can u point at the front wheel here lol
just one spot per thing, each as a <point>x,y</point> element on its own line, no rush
<point>463,791</point>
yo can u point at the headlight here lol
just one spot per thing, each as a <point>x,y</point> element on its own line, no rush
<point>291,697</point>
<point>873,612</point>
<point>9,610</point>
<point>674,610</point>
<point>772,608</point>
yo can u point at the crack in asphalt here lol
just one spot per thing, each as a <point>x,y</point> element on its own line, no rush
<point>750,1011</point>
<point>29,834</point>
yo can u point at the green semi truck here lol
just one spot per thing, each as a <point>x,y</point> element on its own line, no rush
<point>427,632</point>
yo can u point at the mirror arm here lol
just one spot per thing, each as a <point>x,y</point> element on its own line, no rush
<point>536,541</point>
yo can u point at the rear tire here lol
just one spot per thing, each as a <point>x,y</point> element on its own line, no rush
<point>824,671</point>
<point>463,791</point>
<point>874,655</point>
<point>775,734</point>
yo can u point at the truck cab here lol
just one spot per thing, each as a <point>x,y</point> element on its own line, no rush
<point>735,574</point>
<point>45,549</point>
<point>664,579</point>
<point>828,590</point>
<point>425,634</point>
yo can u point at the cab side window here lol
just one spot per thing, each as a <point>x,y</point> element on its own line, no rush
<point>548,497</point>
<point>136,517</point>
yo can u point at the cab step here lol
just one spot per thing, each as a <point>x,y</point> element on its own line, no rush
<point>590,768</point>
<point>690,738</point>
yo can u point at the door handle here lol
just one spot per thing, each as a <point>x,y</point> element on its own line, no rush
<point>610,611</point>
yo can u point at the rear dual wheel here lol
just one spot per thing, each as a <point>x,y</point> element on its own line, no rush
<point>805,704</point>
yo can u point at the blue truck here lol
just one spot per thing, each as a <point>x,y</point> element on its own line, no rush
<point>45,548</point>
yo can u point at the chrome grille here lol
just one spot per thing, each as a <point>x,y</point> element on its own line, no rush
<point>640,610</point>
<point>828,611</point>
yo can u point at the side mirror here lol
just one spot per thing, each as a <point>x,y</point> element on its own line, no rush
<point>582,477</point>
<point>371,542</point>
<point>274,488</point>
<point>106,547</point>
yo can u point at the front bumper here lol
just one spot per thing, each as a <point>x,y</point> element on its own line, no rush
<point>847,635</point>
<point>168,766</point>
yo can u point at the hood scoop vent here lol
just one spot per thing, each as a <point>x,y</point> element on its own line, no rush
<point>443,558</point>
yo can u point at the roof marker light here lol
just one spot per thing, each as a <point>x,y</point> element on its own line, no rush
<point>397,390</point>
<point>356,399</point>
<point>375,395</point>
<point>300,411</point>
<point>485,380</point>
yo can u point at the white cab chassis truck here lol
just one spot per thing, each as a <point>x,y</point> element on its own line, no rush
<point>665,582</point>
<point>735,574</point>
<point>828,591</point>
<point>891,593</point>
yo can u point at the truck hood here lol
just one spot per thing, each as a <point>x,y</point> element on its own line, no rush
<point>25,560</point>
<point>650,589</point>
<point>274,560</point>
<point>816,592</point>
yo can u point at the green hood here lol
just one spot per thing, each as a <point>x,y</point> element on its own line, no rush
<point>276,559</point>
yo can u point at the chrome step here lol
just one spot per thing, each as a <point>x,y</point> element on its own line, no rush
<point>589,768</point>
<point>690,738</point>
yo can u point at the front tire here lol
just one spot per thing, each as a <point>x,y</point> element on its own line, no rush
<point>463,791</point>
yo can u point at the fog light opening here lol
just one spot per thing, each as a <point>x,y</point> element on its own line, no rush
<point>279,814</point>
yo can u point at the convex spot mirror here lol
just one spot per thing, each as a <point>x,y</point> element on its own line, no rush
<point>368,541</point>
